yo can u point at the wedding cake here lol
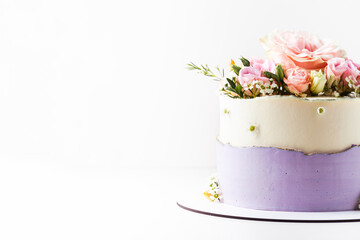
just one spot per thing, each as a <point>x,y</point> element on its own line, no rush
<point>289,127</point>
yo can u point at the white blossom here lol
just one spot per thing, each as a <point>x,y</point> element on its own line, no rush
<point>213,192</point>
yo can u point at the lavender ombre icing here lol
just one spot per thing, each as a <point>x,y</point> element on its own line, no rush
<point>274,179</point>
<point>290,154</point>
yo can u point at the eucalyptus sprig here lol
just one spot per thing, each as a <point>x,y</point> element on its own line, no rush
<point>205,70</point>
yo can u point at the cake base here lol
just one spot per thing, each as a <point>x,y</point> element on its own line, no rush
<point>267,178</point>
<point>197,203</point>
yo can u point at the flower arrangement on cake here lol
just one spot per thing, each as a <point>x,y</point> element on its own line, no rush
<point>298,63</point>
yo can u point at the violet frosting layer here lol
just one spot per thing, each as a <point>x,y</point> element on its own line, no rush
<point>267,178</point>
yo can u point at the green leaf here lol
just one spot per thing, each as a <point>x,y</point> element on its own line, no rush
<point>280,72</point>
<point>245,62</point>
<point>236,69</point>
<point>271,75</point>
<point>238,90</point>
<point>231,89</point>
<point>232,84</point>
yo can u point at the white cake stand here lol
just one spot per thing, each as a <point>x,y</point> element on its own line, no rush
<point>199,204</point>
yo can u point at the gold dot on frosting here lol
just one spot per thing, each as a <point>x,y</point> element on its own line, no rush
<point>321,110</point>
<point>252,128</point>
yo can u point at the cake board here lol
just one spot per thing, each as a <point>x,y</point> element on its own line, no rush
<point>198,203</point>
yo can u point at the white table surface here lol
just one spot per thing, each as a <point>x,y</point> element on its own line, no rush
<point>45,200</point>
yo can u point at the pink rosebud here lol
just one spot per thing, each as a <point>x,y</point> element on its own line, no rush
<point>250,78</point>
<point>298,80</point>
<point>249,74</point>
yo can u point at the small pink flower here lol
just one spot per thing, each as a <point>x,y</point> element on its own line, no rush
<point>298,80</point>
<point>335,68</point>
<point>250,79</point>
<point>352,71</point>
<point>300,49</point>
<point>249,74</point>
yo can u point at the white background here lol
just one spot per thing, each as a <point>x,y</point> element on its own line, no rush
<point>101,123</point>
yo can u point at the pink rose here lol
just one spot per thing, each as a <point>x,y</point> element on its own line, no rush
<point>249,77</point>
<point>297,80</point>
<point>352,71</point>
<point>335,68</point>
<point>249,74</point>
<point>300,49</point>
<point>263,65</point>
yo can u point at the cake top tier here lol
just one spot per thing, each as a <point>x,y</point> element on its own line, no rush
<point>310,125</point>
<point>298,63</point>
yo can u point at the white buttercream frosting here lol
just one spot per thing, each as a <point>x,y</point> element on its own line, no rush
<point>310,125</point>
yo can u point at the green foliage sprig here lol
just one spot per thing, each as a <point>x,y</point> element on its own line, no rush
<point>233,88</point>
<point>205,70</point>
